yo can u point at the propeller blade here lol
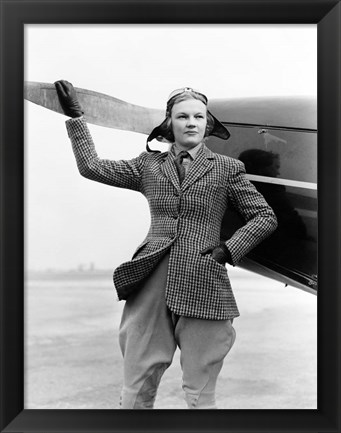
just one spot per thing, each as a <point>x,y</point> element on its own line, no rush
<point>99,109</point>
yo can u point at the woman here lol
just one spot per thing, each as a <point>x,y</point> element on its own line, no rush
<point>176,286</point>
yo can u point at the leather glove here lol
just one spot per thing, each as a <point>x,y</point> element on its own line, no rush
<point>68,98</point>
<point>220,253</point>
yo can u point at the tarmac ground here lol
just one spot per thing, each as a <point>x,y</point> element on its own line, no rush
<point>73,360</point>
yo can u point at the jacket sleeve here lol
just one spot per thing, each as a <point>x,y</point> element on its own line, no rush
<point>260,220</point>
<point>122,174</point>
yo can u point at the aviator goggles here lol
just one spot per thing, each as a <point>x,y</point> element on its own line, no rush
<point>178,92</point>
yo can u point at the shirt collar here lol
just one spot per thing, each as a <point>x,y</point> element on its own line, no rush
<point>193,152</point>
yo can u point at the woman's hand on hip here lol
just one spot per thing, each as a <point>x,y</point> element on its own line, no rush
<point>219,253</point>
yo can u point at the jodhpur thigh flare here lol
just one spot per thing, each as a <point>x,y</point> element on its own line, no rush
<point>204,345</point>
<point>147,341</point>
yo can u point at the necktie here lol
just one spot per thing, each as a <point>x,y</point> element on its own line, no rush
<point>180,168</point>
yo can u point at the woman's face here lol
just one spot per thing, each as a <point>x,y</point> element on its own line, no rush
<point>189,122</point>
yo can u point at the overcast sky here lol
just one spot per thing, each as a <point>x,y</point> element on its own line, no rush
<point>71,220</point>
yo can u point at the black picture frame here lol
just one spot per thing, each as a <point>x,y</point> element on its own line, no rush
<point>14,15</point>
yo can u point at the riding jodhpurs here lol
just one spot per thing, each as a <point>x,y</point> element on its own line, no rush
<point>149,334</point>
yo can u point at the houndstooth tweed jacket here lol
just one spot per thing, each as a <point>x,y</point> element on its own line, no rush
<point>184,220</point>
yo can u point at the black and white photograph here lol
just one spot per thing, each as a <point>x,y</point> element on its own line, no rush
<point>170,216</point>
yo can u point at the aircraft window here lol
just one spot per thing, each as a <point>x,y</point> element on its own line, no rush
<point>290,156</point>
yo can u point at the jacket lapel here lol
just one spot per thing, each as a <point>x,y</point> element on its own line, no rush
<point>169,170</point>
<point>199,167</point>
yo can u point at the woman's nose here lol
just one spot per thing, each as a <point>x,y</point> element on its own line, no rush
<point>191,121</point>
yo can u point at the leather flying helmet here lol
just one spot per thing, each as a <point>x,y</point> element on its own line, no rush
<point>162,133</point>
